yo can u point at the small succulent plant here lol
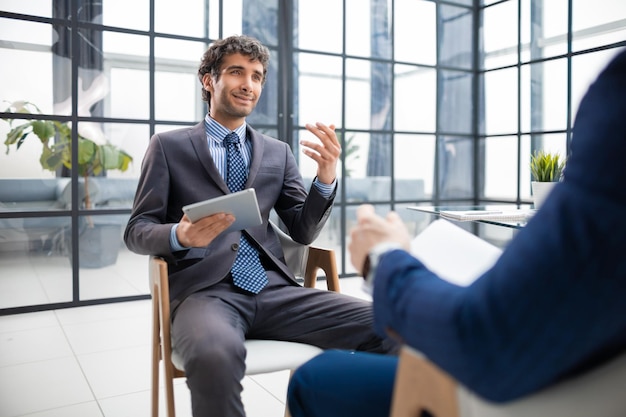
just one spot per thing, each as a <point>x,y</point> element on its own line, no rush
<point>546,166</point>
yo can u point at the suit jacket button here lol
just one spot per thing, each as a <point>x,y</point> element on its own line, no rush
<point>235,246</point>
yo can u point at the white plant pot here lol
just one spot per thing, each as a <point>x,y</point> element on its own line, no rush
<point>540,191</point>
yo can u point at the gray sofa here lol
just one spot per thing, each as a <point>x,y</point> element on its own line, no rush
<point>50,195</point>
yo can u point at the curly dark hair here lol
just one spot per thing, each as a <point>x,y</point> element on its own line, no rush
<point>239,44</point>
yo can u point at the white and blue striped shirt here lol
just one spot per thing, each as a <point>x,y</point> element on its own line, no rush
<point>215,134</point>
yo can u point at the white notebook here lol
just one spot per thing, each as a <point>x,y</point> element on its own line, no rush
<point>453,253</point>
<point>495,215</point>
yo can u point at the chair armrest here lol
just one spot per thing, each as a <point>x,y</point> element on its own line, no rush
<point>305,260</point>
<point>422,386</point>
<point>323,259</point>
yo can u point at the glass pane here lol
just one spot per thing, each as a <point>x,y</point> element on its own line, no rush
<point>500,89</point>
<point>320,25</point>
<point>362,23</point>
<point>114,43</point>
<point>544,96</point>
<point>368,89</point>
<point>177,88</point>
<point>214,18</point>
<point>455,41</point>
<point>125,277</point>
<point>353,153</point>
<point>501,165</point>
<point>463,2</point>
<point>132,15</point>
<point>414,166</point>
<point>132,139</point>
<point>32,7</point>
<point>318,80</point>
<point>257,15</point>
<point>456,167</point>
<point>28,44</point>
<point>368,163</point>
<point>500,35</point>
<point>585,69</point>
<point>34,268</point>
<point>358,93</point>
<point>544,28</point>
<point>358,28</point>
<point>178,54</point>
<point>379,155</point>
<point>594,25</point>
<point>124,105</point>
<point>456,102</point>
<point>176,96</point>
<point>231,19</point>
<point>181,17</point>
<point>525,177</point>
<point>107,268</point>
<point>415,31</point>
<point>415,91</point>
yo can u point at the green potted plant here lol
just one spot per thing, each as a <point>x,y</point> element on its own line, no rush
<point>546,169</point>
<point>94,158</point>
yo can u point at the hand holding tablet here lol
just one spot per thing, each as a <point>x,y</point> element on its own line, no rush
<point>242,204</point>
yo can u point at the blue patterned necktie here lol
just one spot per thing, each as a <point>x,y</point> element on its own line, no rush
<point>247,271</point>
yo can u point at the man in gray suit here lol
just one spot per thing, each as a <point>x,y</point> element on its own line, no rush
<point>211,315</point>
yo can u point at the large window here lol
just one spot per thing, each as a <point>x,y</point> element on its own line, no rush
<point>434,102</point>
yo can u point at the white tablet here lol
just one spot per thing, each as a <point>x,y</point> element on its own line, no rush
<point>242,204</point>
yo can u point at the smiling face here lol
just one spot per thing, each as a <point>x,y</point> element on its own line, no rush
<point>236,91</point>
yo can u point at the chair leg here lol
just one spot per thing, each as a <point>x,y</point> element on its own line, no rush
<point>287,413</point>
<point>155,388</point>
<point>169,394</point>
<point>156,354</point>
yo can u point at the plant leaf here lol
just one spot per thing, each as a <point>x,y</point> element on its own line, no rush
<point>43,129</point>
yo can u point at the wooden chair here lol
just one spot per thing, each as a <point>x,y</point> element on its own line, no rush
<point>262,355</point>
<point>421,386</point>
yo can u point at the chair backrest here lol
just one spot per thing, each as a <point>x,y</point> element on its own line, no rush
<point>296,255</point>
<point>422,386</point>
<point>305,260</point>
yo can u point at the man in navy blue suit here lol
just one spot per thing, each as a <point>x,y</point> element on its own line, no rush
<point>552,307</point>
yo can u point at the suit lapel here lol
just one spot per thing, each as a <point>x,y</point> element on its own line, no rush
<point>199,143</point>
<point>257,154</point>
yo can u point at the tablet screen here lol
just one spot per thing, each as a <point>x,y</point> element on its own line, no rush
<point>242,204</point>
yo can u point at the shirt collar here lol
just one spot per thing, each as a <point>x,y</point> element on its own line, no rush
<point>217,132</point>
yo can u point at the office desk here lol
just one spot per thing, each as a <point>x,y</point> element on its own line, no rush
<point>502,207</point>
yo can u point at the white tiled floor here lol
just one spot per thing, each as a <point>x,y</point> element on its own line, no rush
<point>95,362</point>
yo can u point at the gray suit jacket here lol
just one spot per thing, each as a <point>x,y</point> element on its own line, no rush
<point>178,170</point>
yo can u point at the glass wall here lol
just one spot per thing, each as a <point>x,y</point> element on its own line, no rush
<point>434,102</point>
<point>536,61</point>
